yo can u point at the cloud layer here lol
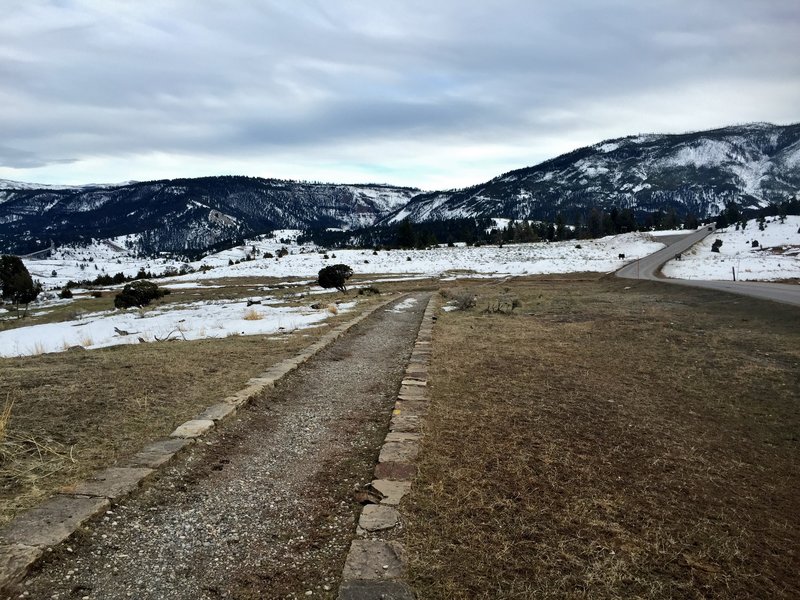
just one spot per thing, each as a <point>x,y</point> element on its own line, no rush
<point>434,94</point>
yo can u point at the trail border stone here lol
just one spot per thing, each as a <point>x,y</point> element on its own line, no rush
<point>376,568</point>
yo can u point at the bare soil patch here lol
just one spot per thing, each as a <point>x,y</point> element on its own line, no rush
<point>610,439</point>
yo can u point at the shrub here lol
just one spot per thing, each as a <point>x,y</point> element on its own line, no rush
<point>97,294</point>
<point>138,293</point>
<point>465,300</point>
<point>65,293</point>
<point>283,252</point>
<point>370,290</point>
<point>754,244</point>
<point>716,245</point>
<point>335,276</point>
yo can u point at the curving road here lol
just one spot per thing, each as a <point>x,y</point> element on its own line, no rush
<point>649,268</point>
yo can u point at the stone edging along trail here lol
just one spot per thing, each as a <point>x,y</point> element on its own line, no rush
<point>376,564</point>
<point>32,533</point>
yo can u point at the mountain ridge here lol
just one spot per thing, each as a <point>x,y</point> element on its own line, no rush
<point>697,173</point>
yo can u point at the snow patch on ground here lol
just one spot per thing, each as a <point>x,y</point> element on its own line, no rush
<point>777,256</point>
<point>403,306</point>
<point>217,319</point>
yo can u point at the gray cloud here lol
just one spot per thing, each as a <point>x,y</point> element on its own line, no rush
<point>104,82</point>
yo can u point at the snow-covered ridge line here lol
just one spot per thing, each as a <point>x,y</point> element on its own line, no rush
<point>8,184</point>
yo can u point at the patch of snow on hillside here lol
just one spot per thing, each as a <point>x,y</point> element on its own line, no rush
<point>706,153</point>
<point>430,207</point>
<point>593,171</point>
<point>608,147</point>
<point>751,174</point>
<point>387,199</point>
<point>777,256</point>
<point>792,156</point>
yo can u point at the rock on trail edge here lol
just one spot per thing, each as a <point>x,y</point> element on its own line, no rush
<point>263,506</point>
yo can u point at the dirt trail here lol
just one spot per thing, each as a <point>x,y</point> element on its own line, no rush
<point>263,507</point>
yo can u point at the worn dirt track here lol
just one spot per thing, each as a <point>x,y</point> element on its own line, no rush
<point>262,507</point>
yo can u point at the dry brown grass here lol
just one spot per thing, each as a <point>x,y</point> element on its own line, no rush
<point>77,411</point>
<point>252,314</point>
<point>611,443</point>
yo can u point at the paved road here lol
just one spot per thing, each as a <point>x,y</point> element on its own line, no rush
<point>263,507</point>
<point>649,268</point>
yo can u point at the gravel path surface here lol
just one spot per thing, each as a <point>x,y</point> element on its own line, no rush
<point>263,507</point>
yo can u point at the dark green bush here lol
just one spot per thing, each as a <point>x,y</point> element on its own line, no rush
<point>138,293</point>
<point>335,276</point>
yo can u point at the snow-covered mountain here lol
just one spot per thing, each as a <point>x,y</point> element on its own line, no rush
<point>697,173</point>
<point>185,215</point>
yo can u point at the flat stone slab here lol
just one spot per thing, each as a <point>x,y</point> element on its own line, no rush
<point>412,392</point>
<point>374,560</point>
<point>217,412</point>
<point>404,422</point>
<point>15,560</point>
<point>393,491</point>
<point>52,522</point>
<point>414,382</point>
<point>395,471</point>
<point>411,407</point>
<point>261,381</point>
<point>192,429</point>
<point>376,517</point>
<point>276,372</point>
<point>156,454</point>
<point>402,436</point>
<point>398,452</point>
<point>111,483</point>
<point>417,372</point>
<point>375,590</point>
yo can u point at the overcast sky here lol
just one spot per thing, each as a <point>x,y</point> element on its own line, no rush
<point>434,94</point>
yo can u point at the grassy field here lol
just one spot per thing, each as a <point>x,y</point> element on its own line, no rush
<point>610,439</point>
<point>70,413</point>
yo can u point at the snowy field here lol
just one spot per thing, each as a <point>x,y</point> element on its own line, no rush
<point>776,257</point>
<point>300,267</point>
<point>599,255</point>
<point>217,319</point>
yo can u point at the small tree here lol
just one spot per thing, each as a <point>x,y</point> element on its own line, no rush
<point>335,276</point>
<point>16,283</point>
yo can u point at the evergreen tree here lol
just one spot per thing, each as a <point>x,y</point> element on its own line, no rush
<point>16,283</point>
<point>561,227</point>
<point>405,235</point>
